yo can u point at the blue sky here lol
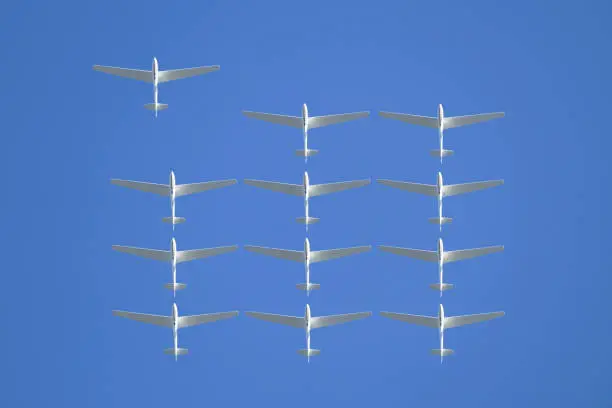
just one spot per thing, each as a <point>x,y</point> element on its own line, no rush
<point>67,130</point>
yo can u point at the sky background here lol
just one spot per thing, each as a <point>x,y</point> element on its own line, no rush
<point>67,130</point>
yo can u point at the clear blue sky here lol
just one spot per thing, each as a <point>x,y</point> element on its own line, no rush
<point>67,130</point>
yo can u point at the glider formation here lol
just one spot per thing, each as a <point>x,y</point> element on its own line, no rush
<point>306,191</point>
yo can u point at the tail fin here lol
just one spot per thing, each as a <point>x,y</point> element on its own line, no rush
<point>442,352</point>
<point>175,286</point>
<point>307,221</point>
<point>309,286</point>
<point>443,153</point>
<point>174,220</point>
<point>179,351</point>
<point>306,153</point>
<point>440,221</point>
<point>159,106</point>
<point>309,352</point>
<point>442,286</point>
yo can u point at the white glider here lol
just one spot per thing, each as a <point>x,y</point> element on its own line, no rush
<point>156,77</point>
<point>441,257</point>
<point>173,191</point>
<point>307,191</point>
<point>306,122</point>
<point>440,191</point>
<point>309,323</point>
<point>175,322</point>
<point>442,322</point>
<point>441,123</point>
<point>307,257</point>
<point>175,257</point>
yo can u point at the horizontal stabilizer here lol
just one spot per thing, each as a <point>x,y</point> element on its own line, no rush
<point>306,153</point>
<point>158,107</point>
<point>442,287</point>
<point>442,352</point>
<point>174,220</point>
<point>309,352</point>
<point>309,286</point>
<point>175,286</point>
<point>440,221</point>
<point>444,153</point>
<point>179,351</point>
<point>307,221</point>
